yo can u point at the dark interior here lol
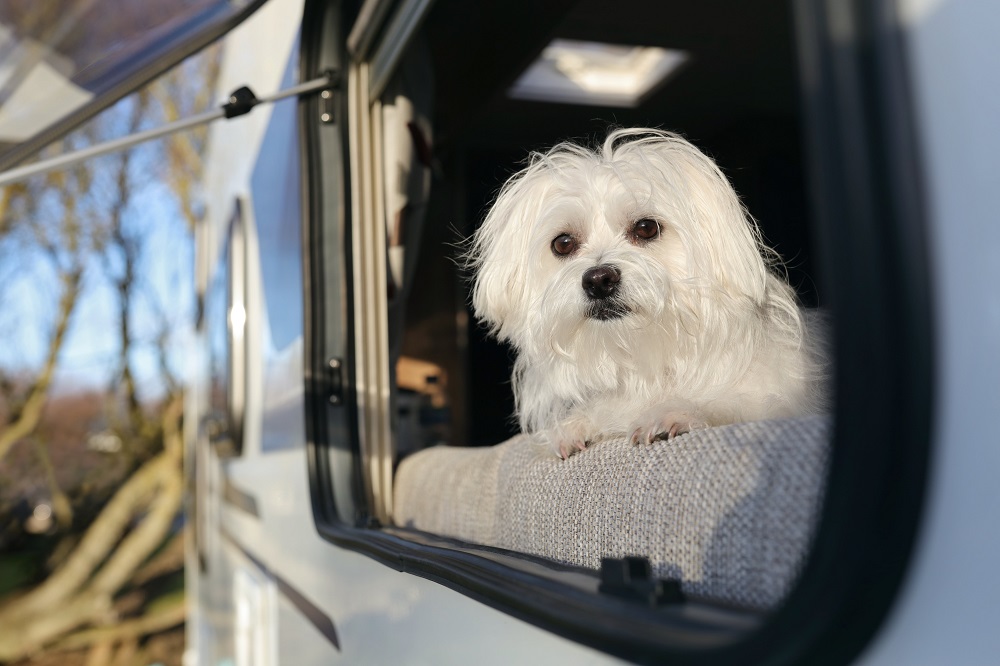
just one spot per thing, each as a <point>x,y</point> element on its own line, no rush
<point>736,98</point>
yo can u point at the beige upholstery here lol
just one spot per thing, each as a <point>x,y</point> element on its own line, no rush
<point>729,511</point>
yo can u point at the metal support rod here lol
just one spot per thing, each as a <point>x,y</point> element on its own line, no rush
<point>115,145</point>
<point>325,81</point>
<point>69,159</point>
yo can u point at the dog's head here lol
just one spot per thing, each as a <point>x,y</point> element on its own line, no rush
<point>632,239</point>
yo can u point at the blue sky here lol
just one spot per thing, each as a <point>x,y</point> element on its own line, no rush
<point>29,291</point>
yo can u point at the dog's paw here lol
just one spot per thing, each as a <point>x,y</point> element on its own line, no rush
<point>664,426</point>
<point>566,439</point>
<point>567,447</point>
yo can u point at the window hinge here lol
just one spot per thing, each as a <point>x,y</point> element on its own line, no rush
<point>329,99</point>
<point>632,578</point>
<point>336,381</point>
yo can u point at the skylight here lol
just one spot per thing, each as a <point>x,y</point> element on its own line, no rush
<point>594,73</point>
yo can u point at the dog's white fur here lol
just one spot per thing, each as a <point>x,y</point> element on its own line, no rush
<point>711,336</point>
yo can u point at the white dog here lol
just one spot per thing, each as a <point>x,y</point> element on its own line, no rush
<point>639,297</point>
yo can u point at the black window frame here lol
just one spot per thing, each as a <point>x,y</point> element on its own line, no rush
<point>863,161</point>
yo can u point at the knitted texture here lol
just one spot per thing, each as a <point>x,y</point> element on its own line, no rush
<point>728,511</point>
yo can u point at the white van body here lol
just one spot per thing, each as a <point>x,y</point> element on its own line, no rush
<point>268,584</point>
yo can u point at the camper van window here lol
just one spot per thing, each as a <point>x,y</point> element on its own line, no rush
<point>225,323</point>
<point>436,143</point>
<point>700,517</point>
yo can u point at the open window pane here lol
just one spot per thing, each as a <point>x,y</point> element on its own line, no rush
<point>62,62</point>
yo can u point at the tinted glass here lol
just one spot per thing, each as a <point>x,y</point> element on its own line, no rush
<point>62,62</point>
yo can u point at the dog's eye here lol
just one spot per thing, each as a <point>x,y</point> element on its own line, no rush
<point>645,230</point>
<point>564,245</point>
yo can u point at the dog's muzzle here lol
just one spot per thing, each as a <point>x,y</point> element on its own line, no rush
<point>600,283</point>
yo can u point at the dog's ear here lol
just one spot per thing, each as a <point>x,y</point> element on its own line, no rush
<point>721,240</point>
<point>499,254</point>
<point>739,260</point>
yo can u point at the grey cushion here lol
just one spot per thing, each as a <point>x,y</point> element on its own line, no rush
<point>728,511</point>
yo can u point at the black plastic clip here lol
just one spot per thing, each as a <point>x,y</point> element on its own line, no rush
<point>632,578</point>
<point>240,101</point>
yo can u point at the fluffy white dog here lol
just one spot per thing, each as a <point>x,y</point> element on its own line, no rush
<point>639,297</point>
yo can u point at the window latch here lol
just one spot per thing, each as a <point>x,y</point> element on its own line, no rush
<point>632,578</point>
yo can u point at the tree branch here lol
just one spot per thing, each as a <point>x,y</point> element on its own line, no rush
<point>66,600</point>
<point>27,416</point>
<point>101,537</point>
<point>144,539</point>
<point>167,615</point>
<point>55,607</point>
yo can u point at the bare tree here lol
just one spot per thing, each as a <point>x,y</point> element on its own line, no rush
<point>24,410</point>
<point>85,226</point>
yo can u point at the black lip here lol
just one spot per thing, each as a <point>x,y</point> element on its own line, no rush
<point>606,311</point>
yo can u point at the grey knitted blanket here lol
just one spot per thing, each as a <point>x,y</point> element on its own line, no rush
<point>728,511</point>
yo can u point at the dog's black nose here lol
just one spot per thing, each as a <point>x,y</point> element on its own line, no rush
<point>601,281</point>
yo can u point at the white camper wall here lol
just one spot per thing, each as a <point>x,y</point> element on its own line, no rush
<point>947,612</point>
<point>254,55</point>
